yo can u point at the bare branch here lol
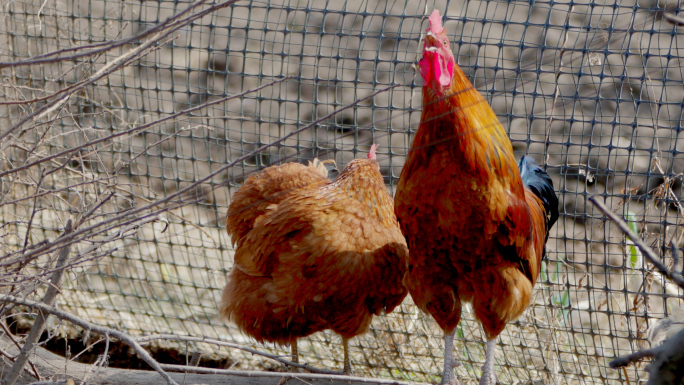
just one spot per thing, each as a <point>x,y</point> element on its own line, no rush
<point>177,20</point>
<point>645,249</point>
<point>105,331</point>
<point>50,245</point>
<point>634,357</point>
<point>162,30</point>
<point>139,128</point>
<point>666,366</point>
<point>39,324</point>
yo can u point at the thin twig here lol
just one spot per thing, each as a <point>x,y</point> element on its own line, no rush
<point>139,128</point>
<point>55,191</point>
<point>645,249</point>
<point>111,67</point>
<point>127,221</point>
<point>11,358</point>
<point>123,337</point>
<point>624,370</point>
<point>176,20</point>
<point>99,362</point>
<point>33,212</point>
<point>117,235</point>
<point>116,64</point>
<point>90,212</point>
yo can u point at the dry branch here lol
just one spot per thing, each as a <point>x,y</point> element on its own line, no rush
<point>645,249</point>
<point>84,233</point>
<point>141,340</point>
<point>162,30</point>
<point>41,319</point>
<point>667,367</point>
<point>135,344</point>
<point>105,331</point>
<point>136,129</point>
<point>171,24</point>
<point>52,365</point>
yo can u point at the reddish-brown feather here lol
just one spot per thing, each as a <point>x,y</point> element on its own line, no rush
<point>268,187</point>
<point>326,255</point>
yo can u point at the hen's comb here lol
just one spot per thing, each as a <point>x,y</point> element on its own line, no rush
<point>435,22</point>
<point>371,153</point>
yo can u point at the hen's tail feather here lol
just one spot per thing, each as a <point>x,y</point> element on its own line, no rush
<point>539,182</point>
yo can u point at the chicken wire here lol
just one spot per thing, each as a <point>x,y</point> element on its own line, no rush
<point>593,90</point>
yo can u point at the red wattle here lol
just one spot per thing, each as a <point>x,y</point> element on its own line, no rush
<point>435,66</point>
<point>442,71</point>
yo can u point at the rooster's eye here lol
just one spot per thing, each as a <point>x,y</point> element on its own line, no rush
<point>446,42</point>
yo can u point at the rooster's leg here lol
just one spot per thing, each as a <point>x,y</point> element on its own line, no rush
<point>448,377</point>
<point>347,361</point>
<point>488,377</point>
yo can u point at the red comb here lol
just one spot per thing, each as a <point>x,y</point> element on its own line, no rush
<point>435,22</point>
<point>371,153</point>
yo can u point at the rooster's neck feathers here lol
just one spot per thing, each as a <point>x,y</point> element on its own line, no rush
<point>455,116</point>
<point>460,120</point>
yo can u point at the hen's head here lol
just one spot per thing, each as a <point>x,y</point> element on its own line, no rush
<point>363,168</point>
<point>437,64</point>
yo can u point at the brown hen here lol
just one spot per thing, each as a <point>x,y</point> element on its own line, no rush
<point>313,254</point>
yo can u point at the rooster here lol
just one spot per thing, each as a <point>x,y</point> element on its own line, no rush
<point>313,254</point>
<point>476,224</point>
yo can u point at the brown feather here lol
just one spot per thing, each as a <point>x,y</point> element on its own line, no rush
<point>328,255</point>
<point>266,188</point>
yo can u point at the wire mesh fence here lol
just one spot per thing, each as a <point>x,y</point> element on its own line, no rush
<point>594,90</point>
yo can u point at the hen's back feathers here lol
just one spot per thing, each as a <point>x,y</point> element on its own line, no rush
<point>268,187</point>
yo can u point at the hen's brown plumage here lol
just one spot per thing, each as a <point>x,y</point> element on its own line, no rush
<point>269,187</point>
<point>325,255</point>
<point>475,231</point>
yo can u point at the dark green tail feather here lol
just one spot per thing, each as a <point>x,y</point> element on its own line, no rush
<point>537,180</point>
